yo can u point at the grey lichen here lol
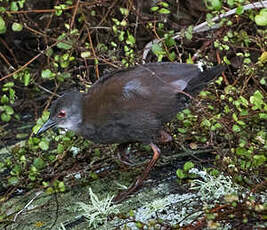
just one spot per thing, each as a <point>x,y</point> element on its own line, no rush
<point>98,210</point>
<point>212,188</point>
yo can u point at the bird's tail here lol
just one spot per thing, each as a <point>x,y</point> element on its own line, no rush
<point>198,83</point>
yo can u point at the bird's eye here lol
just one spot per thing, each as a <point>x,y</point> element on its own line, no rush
<point>61,114</point>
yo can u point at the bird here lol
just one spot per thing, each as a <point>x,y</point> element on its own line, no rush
<point>131,106</point>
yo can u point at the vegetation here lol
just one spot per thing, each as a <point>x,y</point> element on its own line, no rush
<point>46,49</point>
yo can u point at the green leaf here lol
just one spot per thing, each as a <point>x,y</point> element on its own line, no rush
<point>21,3</point>
<point>4,99</point>
<point>47,74</point>
<point>188,165</point>
<point>180,116</point>
<point>60,148</point>
<point>39,163</point>
<point>259,160</point>
<point>205,123</point>
<point>181,130</point>
<point>187,111</point>
<point>164,4</point>
<point>244,101</point>
<point>123,23</point>
<point>2,26</point>
<point>164,11</point>
<point>242,123</point>
<point>86,54</point>
<point>13,180</point>
<point>65,75</point>
<point>65,45</point>
<point>26,79</point>
<point>189,60</point>
<point>61,186</point>
<point>44,145</point>
<point>189,33</point>
<point>261,18</point>
<point>231,2</point>
<point>240,10</point>
<point>124,11</point>
<point>58,10</point>
<point>235,117</point>
<point>263,116</point>
<point>236,128</point>
<point>213,4</point>
<point>263,59</point>
<point>8,109</point>
<point>172,56</point>
<point>121,36</point>
<point>241,151</point>
<point>226,60</point>
<point>5,117</point>
<point>45,115</point>
<point>14,6</point>
<point>180,174</point>
<point>257,100</point>
<point>154,8</point>
<point>9,84</point>
<point>130,40</point>
<point>17,27</point>
<point>157,49</point>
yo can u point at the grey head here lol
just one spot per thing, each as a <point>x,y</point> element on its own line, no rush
<point>65,112</point>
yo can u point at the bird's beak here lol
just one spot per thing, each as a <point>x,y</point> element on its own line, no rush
<point>47,125</point>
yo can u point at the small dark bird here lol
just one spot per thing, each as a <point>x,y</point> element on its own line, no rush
<point>131,105</point>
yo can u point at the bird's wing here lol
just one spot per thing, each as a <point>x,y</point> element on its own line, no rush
<point>148,88</point>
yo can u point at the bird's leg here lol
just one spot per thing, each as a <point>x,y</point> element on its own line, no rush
<point>164,137</point>
<point>123,195</point>
<point>122,151</point>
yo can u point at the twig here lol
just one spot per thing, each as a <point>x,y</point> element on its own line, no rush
<point>74,13</point>
<point>92,47</point>
<point>6,61</point>
<point>27,205</point>
<point>46,90</point>
<point>93,50</point>
<point>22,67</point>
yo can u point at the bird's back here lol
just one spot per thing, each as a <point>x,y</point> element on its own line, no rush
<point>132,105</point>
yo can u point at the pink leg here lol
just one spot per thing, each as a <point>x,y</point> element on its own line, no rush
<point>123,195</point>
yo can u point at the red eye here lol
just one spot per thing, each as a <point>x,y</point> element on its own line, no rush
<point>61,114</point>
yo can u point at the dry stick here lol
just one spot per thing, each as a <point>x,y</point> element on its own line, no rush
<point>28,204</point>
<point>22,67</point>
<point>46,29</point>
<point>37,11</point>
<point>10,51</point>
<point>109,63</point>
<point>93,50</point>
<point>5,60</point>
<point>74,13</point>
<point>35,31</point>
<point>203,26</point>
<point>92,47</point>
<point>46,90</point>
